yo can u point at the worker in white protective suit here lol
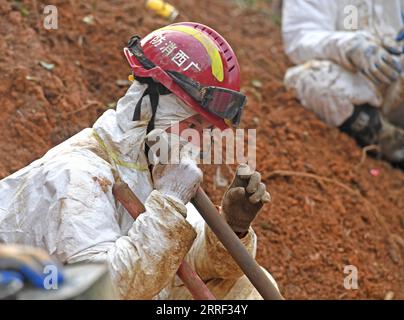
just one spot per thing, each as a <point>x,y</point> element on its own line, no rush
<point>63,202</point>
<point>350,67</point>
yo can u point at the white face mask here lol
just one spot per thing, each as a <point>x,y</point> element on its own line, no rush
<point>171,109</point>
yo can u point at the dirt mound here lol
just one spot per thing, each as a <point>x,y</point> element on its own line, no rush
<point>328,211</point>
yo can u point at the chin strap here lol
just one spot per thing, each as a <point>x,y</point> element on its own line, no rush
<point>154,90</point>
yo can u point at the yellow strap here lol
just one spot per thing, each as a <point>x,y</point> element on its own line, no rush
<point>213,52</point>
<point>115,158</point>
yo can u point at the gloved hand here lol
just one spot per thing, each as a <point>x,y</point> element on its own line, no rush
<point>244,199</point>
<point>180,181</point>
<point>27,264</point>
<point>380,65</point>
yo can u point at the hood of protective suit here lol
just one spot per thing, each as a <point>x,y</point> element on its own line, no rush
<point>126,137</point>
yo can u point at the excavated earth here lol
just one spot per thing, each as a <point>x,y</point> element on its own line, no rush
<point>331,207</point>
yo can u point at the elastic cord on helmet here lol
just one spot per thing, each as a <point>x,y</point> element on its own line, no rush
<point>154,89</point>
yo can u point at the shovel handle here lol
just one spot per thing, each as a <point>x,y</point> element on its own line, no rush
<point>234,246</point>
<point>194,283</point>
<point>228,238</point>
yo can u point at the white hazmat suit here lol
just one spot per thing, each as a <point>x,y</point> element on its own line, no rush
<point>317,35</point>
<point>63,203</point>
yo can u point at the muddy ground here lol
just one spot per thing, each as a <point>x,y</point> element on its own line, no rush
<point>328,210</point>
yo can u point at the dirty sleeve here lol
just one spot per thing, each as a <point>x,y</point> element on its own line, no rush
<point>143,261</point>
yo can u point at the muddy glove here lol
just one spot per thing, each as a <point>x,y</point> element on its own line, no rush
<point>27,264</point>
<point>244,199</point>
<point>178,180</point>
<point>380,65</point>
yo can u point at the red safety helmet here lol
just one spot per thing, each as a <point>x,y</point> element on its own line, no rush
<point>196,64</point>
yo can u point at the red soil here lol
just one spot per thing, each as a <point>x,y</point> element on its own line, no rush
<point>313,228</point>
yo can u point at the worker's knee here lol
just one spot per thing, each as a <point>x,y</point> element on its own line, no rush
<point>314,74</point>
<point>330,90</point>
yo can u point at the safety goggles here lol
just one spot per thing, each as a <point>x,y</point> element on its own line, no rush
<point>224,103</point>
